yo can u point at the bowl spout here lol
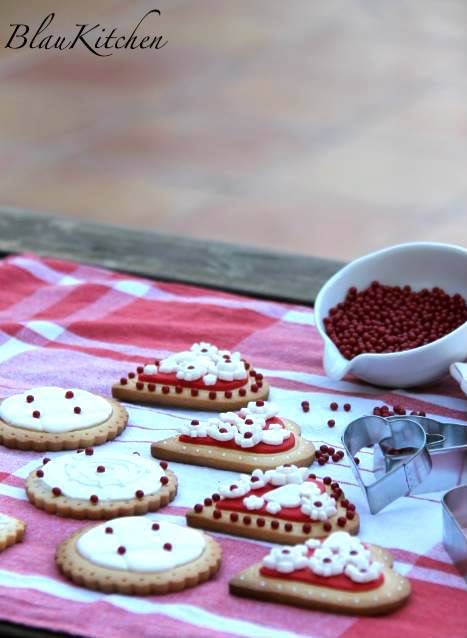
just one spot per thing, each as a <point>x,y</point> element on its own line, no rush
<point>335,365</point>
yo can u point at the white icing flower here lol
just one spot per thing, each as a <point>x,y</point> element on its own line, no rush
<point>204,348</point>
<point>234,490</point>
<point>365,573</point>
<point>248,439</point>
<point>209,379</point>
<point>168,365</point>
<point>313,543</point>
<point>190,370</point>
<point>309,490</point>
<point>325,563</point>
<point>273,507</point>
<point>275,437</point>
<point>286,559</point>
<point>257,479</point>
<point>285,474</point>
<point>265,408</point>
<point>253,502</point>
<point>150,368</point>
<point>318,508</point>
<point>227,354</point>
<point>220,431</point>
<point>193,429</point>
<point>250,425</point>
<point>231,369</point>
<point>230,417</point>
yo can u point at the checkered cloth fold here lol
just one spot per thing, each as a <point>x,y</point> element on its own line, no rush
<point>72,325</point>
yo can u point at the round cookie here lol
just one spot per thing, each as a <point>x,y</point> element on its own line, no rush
<point>138,555</point>
<point>99,485</point>
<point>11,531</point>
<point>52,418</point>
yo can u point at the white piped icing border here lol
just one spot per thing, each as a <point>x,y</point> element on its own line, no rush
<point>105,475</point>
<point>53,409</point>
<point>140,544</point>
<point>340,553</point>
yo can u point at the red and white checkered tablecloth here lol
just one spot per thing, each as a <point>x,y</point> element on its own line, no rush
<point>72,325</point>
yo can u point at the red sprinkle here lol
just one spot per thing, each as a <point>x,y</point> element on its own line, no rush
<point>89,451</point>
<point>151,387</point>
<point>40,473</point>
<point>327,526</point>
<point>94,499</point>
<point>216,497</point>
<point>140,369</point>
<point>45,460</point>
<point>275,524</point>
<point>288,527</point>
<point>164,480</point>
<point>306,528</point>
<point>357,460</point>
<point>334,406</point>
<point>139,493</point>
<point>100,469</point>
<point>347,407</point>
<point>341,521</point>
<point>36,414</point>
<point>165,389</point>
<point>164,465</point>
<point>121,550</point>
<point>139,385</point>
<point>69,394</point>
<point>77,409</point>
<point>131,375</point>
<point>228,394</point>
<point>336,458</point>
<point>327,480</point>
<point>198,508</point>
<point>29,398</point>
<point>155,526</point>
<point>123,381</point>
<point>208,502</point>
<point>167,547</point>
<point>242,392</point>
<point>194,392</point>
<point>260,522</point>
<point>109,530</point>
<point>247,520</point>
<point>350,514</point>
<point>260,404</point>
<point>234,517</point>
<point>212,395</point>
<point>305,406</point>
<point>217,514</point>
<point>56,491</point>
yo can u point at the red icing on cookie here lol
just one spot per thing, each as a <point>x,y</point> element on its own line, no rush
<point>286,513</point>
<point>333,582</point>
<point>260,448</point>
<point>171,379</point>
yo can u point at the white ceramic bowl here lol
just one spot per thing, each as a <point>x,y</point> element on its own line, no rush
<point>420,265</point>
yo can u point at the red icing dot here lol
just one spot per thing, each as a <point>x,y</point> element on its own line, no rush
<point>151,387</point>
<point>94,499</point>
<point>131,375</point>
<point>248,421</point>
<point>327,480</point>
<point>247,365</point>
<point>164,465</point>
<point>216,497</point>
<point>341,521</point>
<point>178,389</point>
<point>121,550</point>
<point>317,503</point>
<point>260,522</point>
<point>168,547</point>
<point>40,473</point>
<point>164,480</point>
<point>306,528</point>
<point>259,376</point>
<point>56,491</point>
<point>242,392</point>
<point>123,381</point>
<point>139,385</point>
<point>29,398</point>
<point>198,508</point>
<point>248,435</point>
<point>77,409</point>
<point>140,369</point>
<point>288,527</point>
<point>253,479</point>
<point>69,394</point>
<point>139,493</point>
<point>234,517</point>
<point>313,476</point>
<point>109,530</point>
<point>334,406</point>
<point>165,389</point>
<point>254,387</point>
<point>208,502</point>
<point>350,514</point>
<point>36,414</point>
<point>155,526</point>
<point>228,394</point>
<point>100,469</point>
<point>334,485</point>
<point>260,404</point>
<point>247,520</point>
<point>217,514</point>
<point>275,524</point>
<point>194,392</point>
<point>327,526</point>
<point>351,506</point>
<point>89,451</point>
<point>212,395</point>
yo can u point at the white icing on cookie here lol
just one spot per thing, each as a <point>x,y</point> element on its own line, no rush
<point>253,502</point>
<point>204,361</point>
<point>81,476</point>
<point>286,559</point>
<point>267,409</point>
<point>285,474</point>
<point>318,507</point>
<point>220,431</point>
<point>54,412</point>
<point>338,554</point>
<point>234,490</point>
<point>142,546</point>
<point>193,429</point>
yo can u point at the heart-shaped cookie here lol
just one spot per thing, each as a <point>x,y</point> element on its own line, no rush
<point>285,505</point>
<point>338,574</point>
<point>203,377</point>
<point>255,437</point>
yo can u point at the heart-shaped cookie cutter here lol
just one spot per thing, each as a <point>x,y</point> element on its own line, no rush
<point>402,451</point>
<point>455,526</point>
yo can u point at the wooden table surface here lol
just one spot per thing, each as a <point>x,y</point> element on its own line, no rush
<point>239,269</point>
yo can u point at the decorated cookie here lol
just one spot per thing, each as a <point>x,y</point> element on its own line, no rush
<point>284,505</point>
<point>51,418</point>
<point>203,377</point>
<point>256,437</point>
<point>97,485</point>
<point>11,531</point>
<point>138,555</point>
<point>339,574</point>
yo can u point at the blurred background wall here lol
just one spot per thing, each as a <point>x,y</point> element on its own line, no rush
<point>319,126</point>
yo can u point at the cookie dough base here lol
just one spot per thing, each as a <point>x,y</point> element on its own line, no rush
<point>40,495</point>
<point>13,534</point>
<point>23,439</point>
<point>391,595</point>
<point>241,460</point>
<point>86,574</point>
<point>130,393</point>
<point>205,520</point>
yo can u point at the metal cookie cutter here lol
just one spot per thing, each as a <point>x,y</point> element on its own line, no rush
<point>401,457</point>
<point>455,526</point>
<point>402,451</point>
